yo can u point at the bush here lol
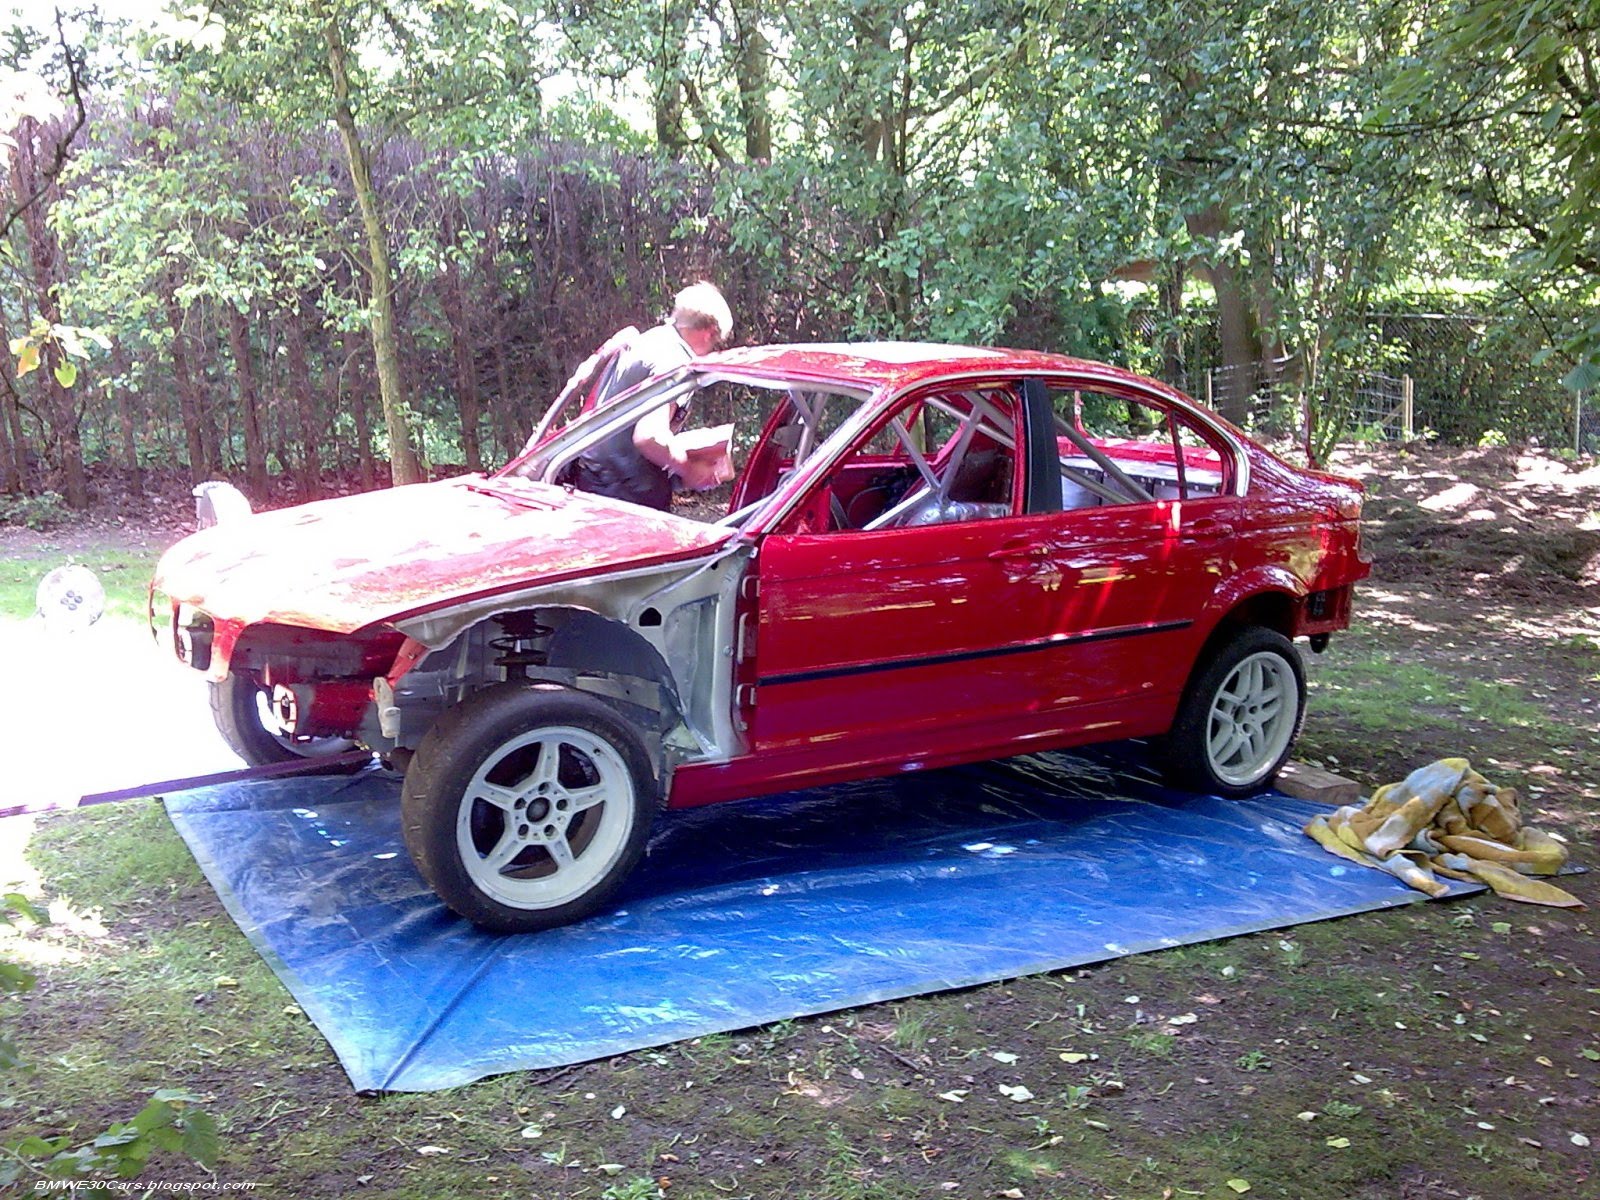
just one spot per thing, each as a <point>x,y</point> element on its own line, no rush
<point>41,512</point>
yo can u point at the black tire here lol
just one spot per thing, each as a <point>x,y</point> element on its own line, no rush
<point>1234,729</point>
<point>246,725</point>
<point>541,750</point>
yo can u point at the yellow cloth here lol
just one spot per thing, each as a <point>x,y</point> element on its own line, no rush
<point>1447,818</point>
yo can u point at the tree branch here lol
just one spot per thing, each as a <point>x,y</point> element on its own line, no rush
<point>58,158</point>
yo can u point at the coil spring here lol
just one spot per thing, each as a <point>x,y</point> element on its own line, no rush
<point>522,645</point>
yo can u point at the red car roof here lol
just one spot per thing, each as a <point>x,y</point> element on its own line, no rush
<point>875,364</point>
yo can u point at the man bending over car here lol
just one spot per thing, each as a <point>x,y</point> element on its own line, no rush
<point>639,464</point>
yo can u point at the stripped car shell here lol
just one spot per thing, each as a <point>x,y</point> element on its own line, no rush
<point>932,555</point>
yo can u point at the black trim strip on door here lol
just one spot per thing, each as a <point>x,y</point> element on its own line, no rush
<point>935,660</point>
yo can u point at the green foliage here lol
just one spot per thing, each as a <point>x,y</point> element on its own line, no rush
<point>12,977</point>
<point>44,511</point>
<point>168,1121</point>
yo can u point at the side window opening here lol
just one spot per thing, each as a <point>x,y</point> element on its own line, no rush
<point>1116,449</point>
<point>944,457</point>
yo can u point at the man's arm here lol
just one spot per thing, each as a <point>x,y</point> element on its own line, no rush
<point>655,440</point>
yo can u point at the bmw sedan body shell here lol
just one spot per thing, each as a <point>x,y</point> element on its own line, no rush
<point>931,555</point>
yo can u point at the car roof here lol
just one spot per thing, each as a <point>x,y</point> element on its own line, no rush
<point>876,364</point>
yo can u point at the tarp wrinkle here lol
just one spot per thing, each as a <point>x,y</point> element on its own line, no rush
<point>748,913</point>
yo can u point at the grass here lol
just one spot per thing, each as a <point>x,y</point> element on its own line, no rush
<point>1374,692</point>
<point>123,573</point>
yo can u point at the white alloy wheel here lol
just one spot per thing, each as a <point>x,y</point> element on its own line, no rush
<point>527,805</point>
<point>546,817</point>
<point>1239,715</point>
<point>1254,715</point>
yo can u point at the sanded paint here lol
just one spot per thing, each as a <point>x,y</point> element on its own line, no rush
<point>340,565</point>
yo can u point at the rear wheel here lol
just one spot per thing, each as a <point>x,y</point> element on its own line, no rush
<point>241,706</point>
<point>1239,716</point>
<point>526,807</point>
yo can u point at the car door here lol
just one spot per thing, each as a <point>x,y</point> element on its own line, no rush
<point>895,602</point>
<point>1140,545</point>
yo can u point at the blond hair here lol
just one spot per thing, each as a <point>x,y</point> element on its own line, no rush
<point>702,306</point>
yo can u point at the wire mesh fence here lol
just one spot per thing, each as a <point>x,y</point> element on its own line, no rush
<point>1457,378</point>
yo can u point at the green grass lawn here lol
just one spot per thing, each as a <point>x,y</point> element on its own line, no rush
<point>123,571</point>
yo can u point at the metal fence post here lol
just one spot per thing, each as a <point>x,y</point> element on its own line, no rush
<point>1208,390</point>
<point>1408,395</point>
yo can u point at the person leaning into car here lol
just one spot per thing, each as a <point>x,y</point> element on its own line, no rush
<point>639,464</point>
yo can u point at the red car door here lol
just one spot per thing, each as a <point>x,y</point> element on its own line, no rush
<point>908,637</point>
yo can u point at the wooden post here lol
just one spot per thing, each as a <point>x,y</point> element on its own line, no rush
<point>1408,395</point>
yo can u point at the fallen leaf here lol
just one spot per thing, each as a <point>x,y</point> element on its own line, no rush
<point>1338,1143</point>
<point>1019,1094</point>
<point>610,1168</point>
<point>1072,1056</point>
<point>1185,1019</point>
<point>1501,927</point>
<point>1306,1116</point>
<point>1360,1079</point>
<point>1486,1125</point>
<point>1543,1061</point>
<point>1591,1054</point>
<point>955,1097</point>
<point>1003,1056</point>
<point>617,1112</point>
<point>532,1131</point>
<point>1100,1125</point>
<point>1130,999</point>
<point>227,981</point>
<point>1239,1185</point>
<point>1579,1139</point>
<point>1011,1194</point>
<point>432,1151</point>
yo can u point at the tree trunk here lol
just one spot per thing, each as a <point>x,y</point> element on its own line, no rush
<point>255,451</point>
<point>189,401</point>
<point>125,423</point>
<point>1235,324</point>
<point>1174,368</point>
<point>505,405</point>
<point>309,474</point>
<point>43,253</point>
<point>358,413</point>
<point>467,401</point>
<point>10,445</point>
<point>403,465</point>
<point>752,67</point>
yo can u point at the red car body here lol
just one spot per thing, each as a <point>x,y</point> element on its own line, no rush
<point>934,555</point>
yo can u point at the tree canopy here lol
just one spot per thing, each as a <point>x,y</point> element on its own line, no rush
<point>360,237</point>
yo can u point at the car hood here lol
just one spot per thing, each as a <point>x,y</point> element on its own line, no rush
<point>343,564</point>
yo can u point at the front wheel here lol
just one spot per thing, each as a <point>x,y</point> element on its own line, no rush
<point>1239,716</point>
<point>527,806</point>
<point>242,708</point>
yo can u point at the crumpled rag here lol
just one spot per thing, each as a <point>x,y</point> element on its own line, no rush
<point>1446,819</point>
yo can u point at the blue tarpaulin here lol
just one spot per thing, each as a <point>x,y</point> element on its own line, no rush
<point>752,912</point>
